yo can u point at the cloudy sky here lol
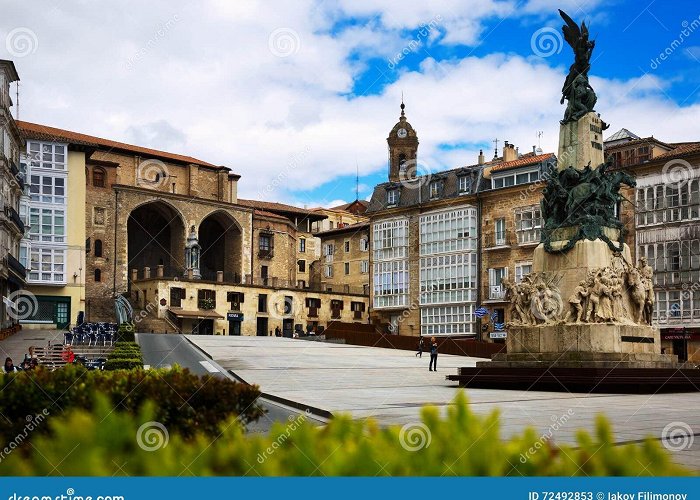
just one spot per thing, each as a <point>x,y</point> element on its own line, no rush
<point>295,96</point>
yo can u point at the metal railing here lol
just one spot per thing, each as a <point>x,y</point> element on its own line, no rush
<point>498,239</point>
<point>14,217</point>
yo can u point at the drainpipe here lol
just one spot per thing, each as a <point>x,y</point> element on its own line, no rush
<point>478,257</point>
<point>114,254</point>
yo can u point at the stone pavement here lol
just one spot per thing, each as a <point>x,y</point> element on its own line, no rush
<point>392,385</point>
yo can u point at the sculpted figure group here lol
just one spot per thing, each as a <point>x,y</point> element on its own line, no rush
<point>599,298</point>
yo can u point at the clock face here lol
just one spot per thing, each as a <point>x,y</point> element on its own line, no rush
<point>402,133</point>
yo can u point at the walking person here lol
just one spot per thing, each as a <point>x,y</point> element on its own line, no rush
<point>419,354</point>
<point>433,355</point>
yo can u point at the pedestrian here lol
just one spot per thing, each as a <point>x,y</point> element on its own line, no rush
<point>10,366</point>
<point>420,347</point>
<point>433,355</point>
<point>270,333</point>
<point>278,332</point>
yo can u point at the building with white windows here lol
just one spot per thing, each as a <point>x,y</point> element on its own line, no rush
<point>53,247</point>
<point>12,273</point>
<point>666,231</point>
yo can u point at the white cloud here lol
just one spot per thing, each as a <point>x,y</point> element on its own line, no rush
<point>202,80</point>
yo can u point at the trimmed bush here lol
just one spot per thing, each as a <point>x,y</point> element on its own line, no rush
<point>462,444</point>
<point>125,332</point>
<point>123,364</point>
<point>187,403</point>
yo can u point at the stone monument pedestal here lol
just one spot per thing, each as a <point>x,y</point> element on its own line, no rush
<point>581,143</point>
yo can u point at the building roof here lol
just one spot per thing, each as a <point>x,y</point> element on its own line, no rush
<point>10,69</point>
<point>680,149</point>
<point>350,228</point>
<point>271,215</point>
<point>523,161</point>
<point>634,142</point>
<point>46,133</point>
<point>622,134</point>
<point>277,208</point>
<point>347,207</point>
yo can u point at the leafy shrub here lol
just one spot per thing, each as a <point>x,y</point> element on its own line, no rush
<point>123,364</point>
<point>125,332</point>
<point>187,403</point>
<point>462,444</point>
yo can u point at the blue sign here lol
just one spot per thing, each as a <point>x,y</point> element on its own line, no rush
<point>234,316</point>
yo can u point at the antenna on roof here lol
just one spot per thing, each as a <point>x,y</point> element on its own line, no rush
<point>17,100</point>
<point>495,149</point>
<point>357,180</point>
<point>540,133</point>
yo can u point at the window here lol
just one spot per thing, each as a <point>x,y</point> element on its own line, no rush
<point>364,266</point>
<point>392,197</point>
<point>435,189</point>
<point>528,223</point>
<point>500,232</point>
<point>47,155</point>
<point>450,231</point>
<point>364,244</point>
<point>98,177</point>
<point>390,267</point>
<point>262,303</point>
<point>521,270</point>
<point>357,308</point>
<point>265,247</point>
<point>347,268</point>
<point>347,246</point>
<point>515,178</point>
<point>302,245</point>
<point>236,299</point>
<point>328,271</point>
<point>176,296</point>
<point>336,308</point>
<point>465,184</point>
<point>302,266</point>
<point>448,278</point>
<point>98,275</point>
<point>98,248</point>
<point>47,225</point>
<point>313,304</point>
<point>496,276</point>
<point>328,251</point>
<point>453,319</point>
<point>47,188</point>
<point>47,265</point>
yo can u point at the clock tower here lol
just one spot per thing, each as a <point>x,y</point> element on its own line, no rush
<point>403,148</point>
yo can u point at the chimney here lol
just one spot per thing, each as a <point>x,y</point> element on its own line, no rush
<point>509,152</point>
<point>481,157</point>
<point>534,150</point>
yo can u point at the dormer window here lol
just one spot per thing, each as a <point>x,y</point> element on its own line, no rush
<point>435,189</point>
<point>392,197</point>
<point>465,184</point>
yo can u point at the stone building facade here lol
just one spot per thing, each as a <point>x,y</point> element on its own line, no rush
<point>345,258</point>
<point>666,214</point>
<point>156,222</point>
<point>12,272</point>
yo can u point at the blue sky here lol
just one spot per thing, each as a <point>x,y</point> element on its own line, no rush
<point>297,96</point>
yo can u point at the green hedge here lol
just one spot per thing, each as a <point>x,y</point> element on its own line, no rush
<point>462,444</point>
<point>187,403</point>
<point>123,364</point>
<point>125,332</point>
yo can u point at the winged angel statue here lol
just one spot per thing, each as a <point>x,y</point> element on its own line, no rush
<point>576,90</point>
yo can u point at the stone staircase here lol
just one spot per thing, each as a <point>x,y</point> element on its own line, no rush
<point>51,356</point>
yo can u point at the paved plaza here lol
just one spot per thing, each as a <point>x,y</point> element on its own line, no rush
<point>392,385</point>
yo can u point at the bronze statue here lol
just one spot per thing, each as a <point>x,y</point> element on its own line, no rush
<point>576,90</point>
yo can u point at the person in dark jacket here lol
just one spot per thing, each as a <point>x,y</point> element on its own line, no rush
<point>433,355</point>
<point>420,348</point>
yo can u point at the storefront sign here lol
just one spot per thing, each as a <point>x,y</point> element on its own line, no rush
<point>680,334</point>
<point>498,335</point>
<point>236,316</point>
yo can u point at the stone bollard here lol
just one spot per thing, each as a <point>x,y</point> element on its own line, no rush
<point>160,270</point>
<point>146,273</point>
<point>219,276</point>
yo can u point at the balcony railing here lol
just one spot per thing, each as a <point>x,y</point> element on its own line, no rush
<point>266,253</point>
<point>499,239</point>
<point>496,292</point>
<point>16,266</point>
<point>14,217</point>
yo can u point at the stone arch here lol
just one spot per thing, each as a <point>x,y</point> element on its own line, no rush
<point>221,238</point>
<point>156,232</point>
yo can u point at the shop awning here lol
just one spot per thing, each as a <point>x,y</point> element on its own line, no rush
<point>196,314</point>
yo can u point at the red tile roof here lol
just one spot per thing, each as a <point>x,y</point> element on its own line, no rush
<point>522,161</point>
<point>358,226</point>
<point>263,213</point>
<point>271,206</point>
<point>46,133</point>
<point>680,149</point>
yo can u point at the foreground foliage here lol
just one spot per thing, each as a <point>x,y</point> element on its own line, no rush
<point>126,355</point>
<point>186,403</point>
<point>460,444</point>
